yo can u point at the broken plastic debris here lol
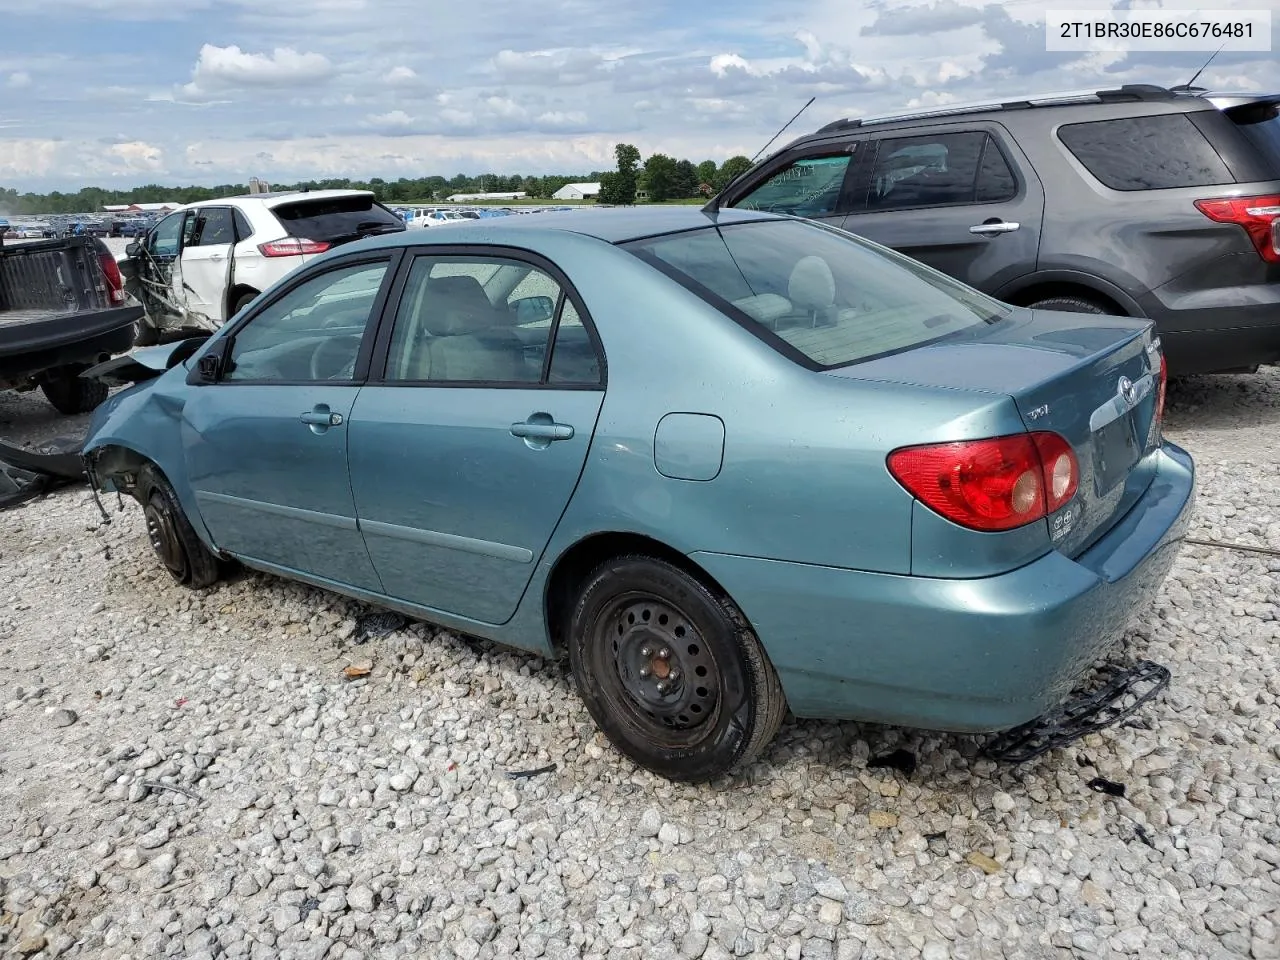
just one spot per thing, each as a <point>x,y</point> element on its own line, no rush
<point>536,771</point>
<point>375,625</point>
<point>983,862</point>
<point>1109,787</point>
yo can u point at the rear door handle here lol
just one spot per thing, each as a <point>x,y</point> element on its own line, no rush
<point>990,229</point>
<point>542,431</point>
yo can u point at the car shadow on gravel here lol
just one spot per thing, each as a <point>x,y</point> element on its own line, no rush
<point>1222,402</point>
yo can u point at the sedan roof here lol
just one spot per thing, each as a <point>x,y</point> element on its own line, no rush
<point>611,224</point>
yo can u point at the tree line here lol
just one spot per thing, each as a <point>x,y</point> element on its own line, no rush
<point>659,179</point>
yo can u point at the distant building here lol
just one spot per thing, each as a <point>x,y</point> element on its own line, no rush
<point>473,197</point>
<point>153,207</point>
<point>577,191</point>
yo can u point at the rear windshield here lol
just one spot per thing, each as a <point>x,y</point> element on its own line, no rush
<point>334,219</point>
<point>1260,123</point>
<point>821,296</point>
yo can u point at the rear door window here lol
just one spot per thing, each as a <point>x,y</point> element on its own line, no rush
<point>336,219</point>
<point>1160,152</point>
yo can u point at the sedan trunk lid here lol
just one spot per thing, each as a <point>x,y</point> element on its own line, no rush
<point>1093,380</point>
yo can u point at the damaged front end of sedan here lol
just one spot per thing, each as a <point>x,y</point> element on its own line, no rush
<point>132,429</point>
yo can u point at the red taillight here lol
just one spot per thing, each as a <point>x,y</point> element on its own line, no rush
<point>115,281</point>
<point>1260,217</point>
<point>994,484</point>
<point>292,247</point>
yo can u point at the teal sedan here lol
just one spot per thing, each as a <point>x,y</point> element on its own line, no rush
<point>730,464</point>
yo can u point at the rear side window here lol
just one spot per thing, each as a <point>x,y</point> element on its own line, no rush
<point>1159,152</point>
<point>335,219</point>
<point>820,296</point>
<point>939,170</point>
<point>1260,124</point>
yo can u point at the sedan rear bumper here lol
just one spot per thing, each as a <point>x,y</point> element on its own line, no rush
<point>961,655</point>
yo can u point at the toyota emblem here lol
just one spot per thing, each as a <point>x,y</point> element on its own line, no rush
<point>1127,390</point>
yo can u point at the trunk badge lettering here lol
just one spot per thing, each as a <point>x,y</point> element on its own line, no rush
<point>1038,412</point>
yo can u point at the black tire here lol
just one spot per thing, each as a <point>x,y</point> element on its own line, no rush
<point>172,537</point>
<point>1070,304</point>
<point>71,393</point>
<point>722,704</point>
<point>242,301</point>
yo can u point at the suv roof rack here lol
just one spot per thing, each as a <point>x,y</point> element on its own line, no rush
<point>1130,92</point>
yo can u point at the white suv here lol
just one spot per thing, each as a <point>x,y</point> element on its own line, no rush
<point>202,264</point>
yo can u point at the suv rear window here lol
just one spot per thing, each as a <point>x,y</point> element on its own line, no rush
<point>1157,152</point>
<point>820,296</point>
<point>1260,123</point>
<point>334,219</point>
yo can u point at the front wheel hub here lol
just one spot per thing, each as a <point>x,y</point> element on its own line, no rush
<point>663,664</point>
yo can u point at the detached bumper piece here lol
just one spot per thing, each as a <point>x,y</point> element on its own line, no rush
<point>1121,692</point>
<point>27,474</point>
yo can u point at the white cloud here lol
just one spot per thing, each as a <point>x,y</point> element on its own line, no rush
<point>18,79</point>
<point>137,155</point>
<point>396,118</point>
<point>400,74</point>
<point>229,68</point>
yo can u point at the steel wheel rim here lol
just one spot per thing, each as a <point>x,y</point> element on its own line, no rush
<point>163,534</point>
<point>660,675</point>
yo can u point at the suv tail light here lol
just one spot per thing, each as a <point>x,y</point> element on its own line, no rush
<point>1260,217</point>
<point>995,484</point>
<point>292,247</point>
<point>111,272</point>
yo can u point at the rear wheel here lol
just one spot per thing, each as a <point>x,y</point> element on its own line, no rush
<point>70,393</point>
<point>1069,304</point>
<point>670,670</point>
<point>172,537</point>
<point>242,301</point>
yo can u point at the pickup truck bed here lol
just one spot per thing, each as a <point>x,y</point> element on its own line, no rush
<point>62,309</point>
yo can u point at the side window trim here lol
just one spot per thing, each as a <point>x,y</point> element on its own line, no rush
<point>1019,184</point>
<point>381,347</point>
<point>393,260</point>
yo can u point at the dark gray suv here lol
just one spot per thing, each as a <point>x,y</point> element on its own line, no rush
<point>1139,201</point>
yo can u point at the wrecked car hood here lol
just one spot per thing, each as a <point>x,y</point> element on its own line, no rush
<point>144,363</point>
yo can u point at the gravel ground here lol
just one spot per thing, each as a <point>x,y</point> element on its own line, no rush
<point>189,775</point>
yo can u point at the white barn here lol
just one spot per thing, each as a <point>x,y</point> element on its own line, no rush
<point>577,191</point>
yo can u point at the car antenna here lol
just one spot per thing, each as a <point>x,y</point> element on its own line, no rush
<point>713,205</point>
<point>1188,85</point>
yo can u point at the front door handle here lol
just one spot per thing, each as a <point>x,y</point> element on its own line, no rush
<point>320,418</point>
<point>538,430</point>
<point>992,227</point>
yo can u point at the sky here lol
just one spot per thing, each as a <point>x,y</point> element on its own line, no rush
<point>123,92</point>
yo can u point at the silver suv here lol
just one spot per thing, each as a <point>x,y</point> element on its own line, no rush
<point>1141,201</point>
